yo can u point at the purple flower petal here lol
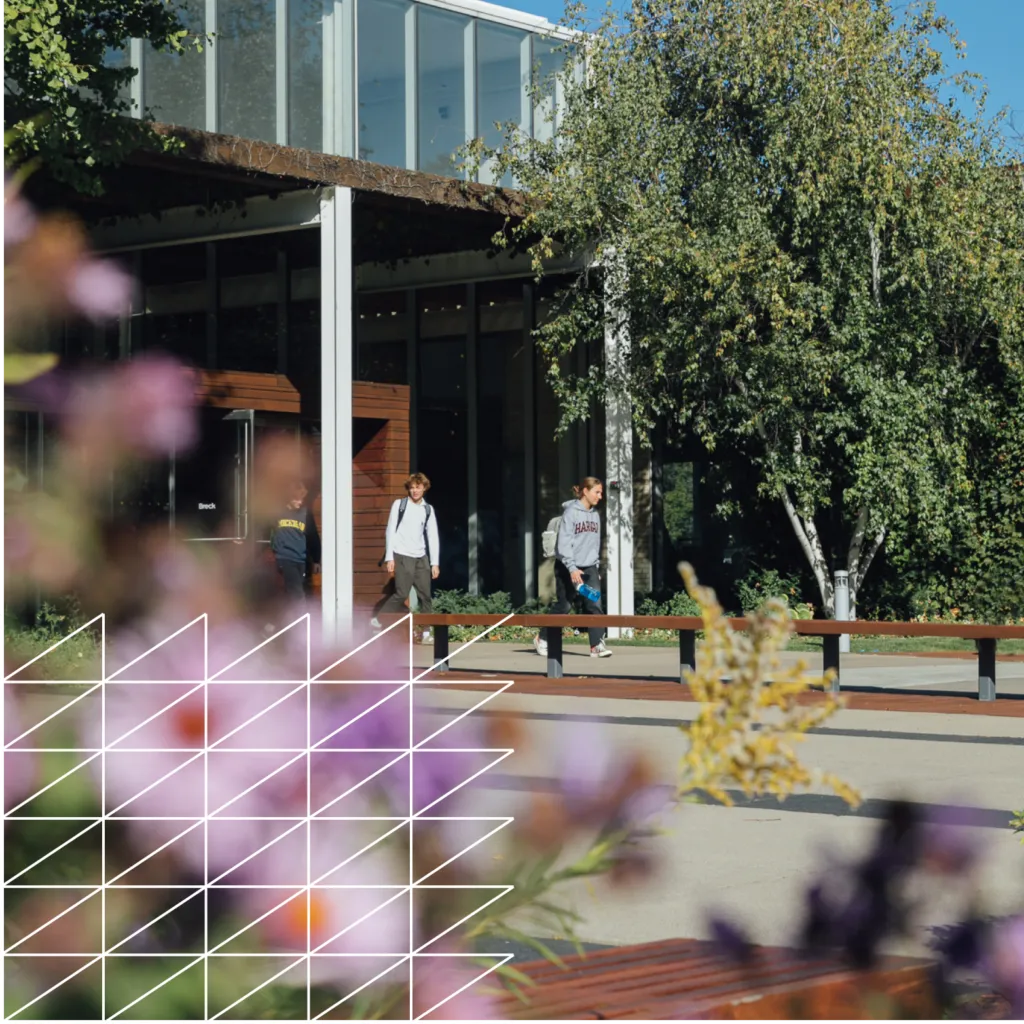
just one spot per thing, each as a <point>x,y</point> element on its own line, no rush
<point>19,219</point>
<point>100,289</point>
<point>731,938</point>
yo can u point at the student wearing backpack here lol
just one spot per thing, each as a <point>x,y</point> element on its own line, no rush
<point>412,548</point>
<point>577,558</point>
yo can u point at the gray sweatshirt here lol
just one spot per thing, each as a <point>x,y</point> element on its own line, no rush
<point>579,536</point>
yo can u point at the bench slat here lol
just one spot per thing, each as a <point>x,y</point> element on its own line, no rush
<point>689,978</point>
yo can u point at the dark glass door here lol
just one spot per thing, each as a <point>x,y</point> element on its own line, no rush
<point>210,485</point>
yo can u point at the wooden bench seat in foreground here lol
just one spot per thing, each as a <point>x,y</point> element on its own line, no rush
<point>684,979</point>
<point>987,637</point>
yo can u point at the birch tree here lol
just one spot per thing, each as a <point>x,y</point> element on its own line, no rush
<point>824,261</point>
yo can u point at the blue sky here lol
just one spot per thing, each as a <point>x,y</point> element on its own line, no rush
<point>992,29</point>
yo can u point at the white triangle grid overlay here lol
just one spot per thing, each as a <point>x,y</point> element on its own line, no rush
<point>80,894</point>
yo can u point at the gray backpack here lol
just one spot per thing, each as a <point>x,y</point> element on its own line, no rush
<point>549,538</point>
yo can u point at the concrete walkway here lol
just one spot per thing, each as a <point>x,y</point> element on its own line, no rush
<point>754,860</point>
<point>881,671</point>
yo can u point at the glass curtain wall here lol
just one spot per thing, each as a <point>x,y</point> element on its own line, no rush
<point>174,85</point>
<point>501,445</point>
<point>426,81</point>
<point>382,338</point>
<point>441,86</point>
<point>441,421</point>
<point>247,68</point>
<point>501,86</point>
<point>306,74</point>
<point>382,86</point>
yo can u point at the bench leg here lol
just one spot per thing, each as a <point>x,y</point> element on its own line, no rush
<point>555,653</point>
<point>830,659</point>
<point>440,648</point>
<point>687,653</point>
<point>986,670</point>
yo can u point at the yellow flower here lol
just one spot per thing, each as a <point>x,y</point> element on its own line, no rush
<point>732,742</point>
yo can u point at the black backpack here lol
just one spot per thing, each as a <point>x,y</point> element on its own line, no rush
<point>426,521</point>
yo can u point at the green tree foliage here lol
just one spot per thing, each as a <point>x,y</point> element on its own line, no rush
<point>66,92</point>
<point>820,263</point>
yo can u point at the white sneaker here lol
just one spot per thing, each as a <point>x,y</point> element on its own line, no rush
<point>540,646</point>
<point>375,623</point>
<point>600,651</point>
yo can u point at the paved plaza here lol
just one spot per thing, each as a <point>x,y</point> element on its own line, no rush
<point>753,860</point>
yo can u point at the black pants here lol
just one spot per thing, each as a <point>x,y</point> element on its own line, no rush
<point>566,596</point>
<point>294,574</point>
<point>410,572</point>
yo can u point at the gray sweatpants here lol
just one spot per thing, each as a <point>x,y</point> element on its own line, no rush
<point>409,572</point>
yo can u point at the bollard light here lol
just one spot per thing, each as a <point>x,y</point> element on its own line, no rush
<point>842,606</point>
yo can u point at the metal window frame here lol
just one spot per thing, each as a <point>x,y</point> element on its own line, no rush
<point>529,445</point>
<point>210,53</point>
<point>282,29</point>
<point>472,438</point>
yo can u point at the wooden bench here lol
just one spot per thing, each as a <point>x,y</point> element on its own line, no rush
<point>687,979</point>
<point>687,627</point>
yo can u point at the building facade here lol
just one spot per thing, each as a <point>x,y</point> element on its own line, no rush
<point>312,238</point>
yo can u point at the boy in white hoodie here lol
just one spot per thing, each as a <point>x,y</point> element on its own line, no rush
<point>577,558</point>
<point>412,548</point>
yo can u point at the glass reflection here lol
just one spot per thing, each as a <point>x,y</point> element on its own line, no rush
<point>441,101</point>
<point>500,86</point>
<point>382,82</point>
<point>246,68</point>
<point>306,74</point>
<point>174,86</point>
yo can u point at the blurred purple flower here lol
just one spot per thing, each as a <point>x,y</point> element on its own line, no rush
<point>19,219</point>
<point>1006,964</point>
<point>435,988</point>
<point>355,931</point>
<point>962,945</point>
<point>154,732</point>
<point>730,938</point>
<point>584,766</point>
<point>158,405</point>
<point>19,768</point>
<point>48,392</point>
<point>99,289</point>
<point>949,844</point>
<point>146,407</point>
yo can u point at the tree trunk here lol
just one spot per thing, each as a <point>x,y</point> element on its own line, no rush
<point>807,534</point>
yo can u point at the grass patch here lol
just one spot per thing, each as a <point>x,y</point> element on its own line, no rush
<point>77,658</point>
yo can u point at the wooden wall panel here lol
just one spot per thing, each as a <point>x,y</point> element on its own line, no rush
<point>380,467</point>
<point>238,389</point>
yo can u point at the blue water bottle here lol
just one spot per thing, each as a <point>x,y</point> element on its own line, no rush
<point>589,593</point>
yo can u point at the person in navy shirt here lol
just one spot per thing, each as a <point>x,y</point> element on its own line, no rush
<point>295,542</point>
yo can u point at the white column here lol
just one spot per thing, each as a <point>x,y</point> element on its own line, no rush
<point>618,453</point>
<point>211,57</point>
<point>411,87</point>
<point>336,305</point>
<point>281,57</point>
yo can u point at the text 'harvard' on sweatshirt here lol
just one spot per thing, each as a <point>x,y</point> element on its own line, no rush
<point>579,537</point>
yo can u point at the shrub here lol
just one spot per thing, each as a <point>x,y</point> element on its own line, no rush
<point>679,603</point>
<point>77,658</point>
<point>761,585</point>
<point>458,602</point>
